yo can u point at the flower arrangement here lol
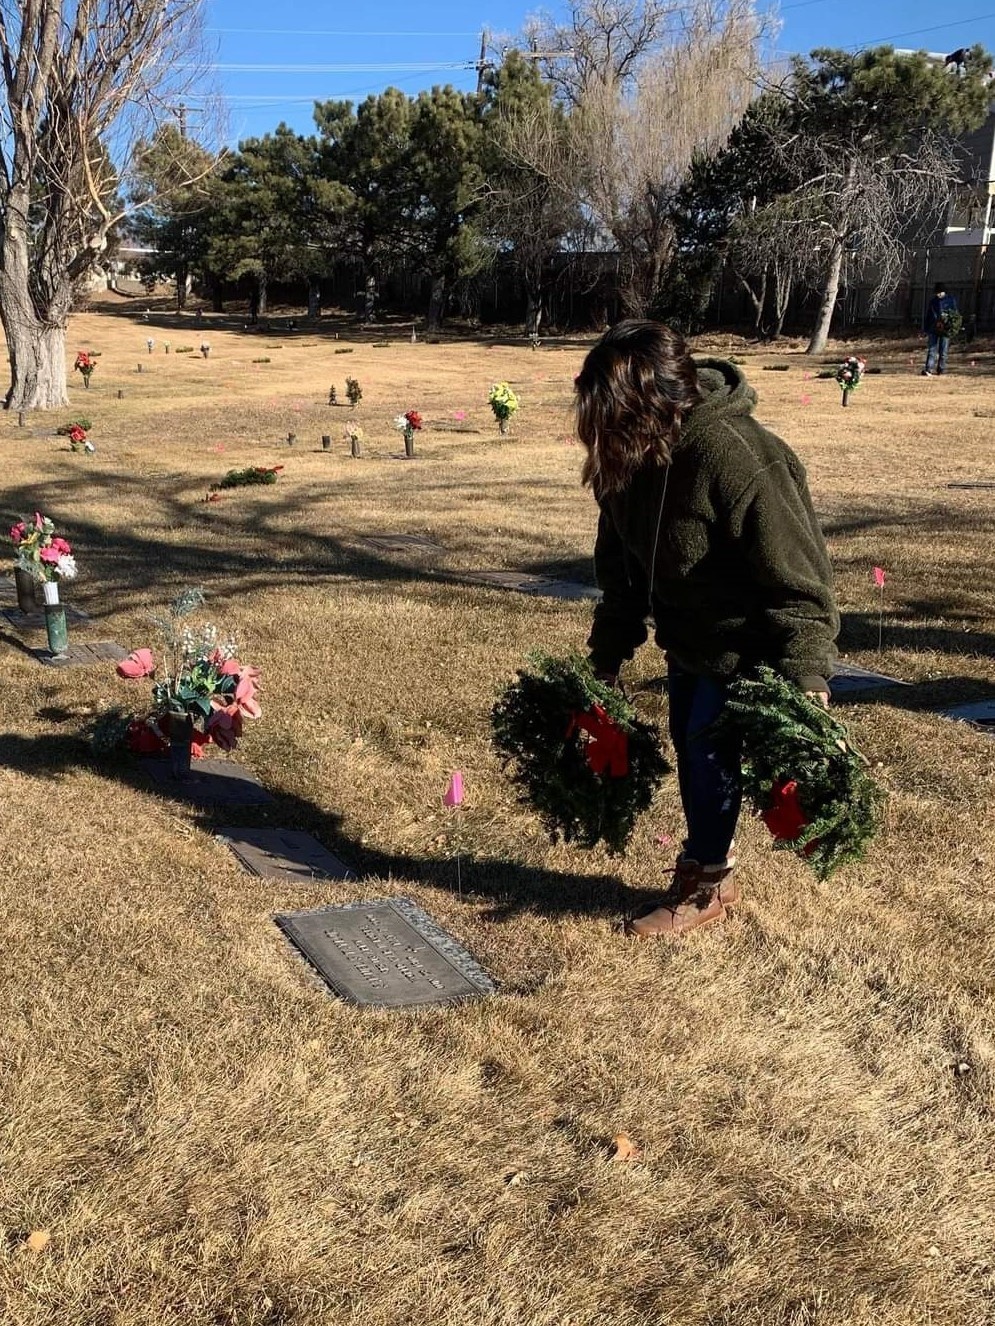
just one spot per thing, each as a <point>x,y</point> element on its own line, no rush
<point>65,430</point>
<point>205,348</point>
<point>84,365</point>
<point>409,424</point>
<point>850,374</point>
<point>354,436</point>
<point>150,344</point>
<point>504,403</point>
<point>78,440</point>
<point>42,553</point>
<point>809,784</point>
<point>200,689</point>
<point>353,391</point>
<point>582,757</point>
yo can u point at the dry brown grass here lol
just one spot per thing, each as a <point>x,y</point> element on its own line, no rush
<point>210,1138</point>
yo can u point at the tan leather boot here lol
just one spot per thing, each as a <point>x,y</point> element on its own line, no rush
<point>698,896</point>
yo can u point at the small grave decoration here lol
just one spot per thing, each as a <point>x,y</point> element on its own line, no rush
<point>504,403</point>
<point>807,781</point>
<point>333,396</point>
<point>354,436</point>
<point>150,344</point>
<point>950,324</point>
<point>201,691</point>
<point>44,556</point>
<point>255,474</point>
<point>78,440</point>
<point>409,424</point>
<point>584,760</point>
<point>81,421</point>
<point>353,391</point>
<point>84,365</point>
<point>205,348</point>
<point>849,375</point>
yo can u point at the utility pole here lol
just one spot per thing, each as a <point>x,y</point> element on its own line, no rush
<point>482,64</point>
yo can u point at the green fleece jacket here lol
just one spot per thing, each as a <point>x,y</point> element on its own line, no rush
<point>741,574</point>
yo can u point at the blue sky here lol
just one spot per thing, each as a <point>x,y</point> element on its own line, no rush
<point>306,49</point>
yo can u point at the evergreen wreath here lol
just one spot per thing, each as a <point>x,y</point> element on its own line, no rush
<point>584,760</point>
<point>801,771</point>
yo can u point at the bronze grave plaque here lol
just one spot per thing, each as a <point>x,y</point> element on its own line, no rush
<point>286,854</point>
<point>386,953</point>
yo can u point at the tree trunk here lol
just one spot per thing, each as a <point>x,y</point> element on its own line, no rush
<point>828,305</point>
<point>533,311</point>
<point>437,303</point>
<point>37,357</point>
<point>182,286</point>
<point>36,341</point>
<point>314,300</point>
<point>262,300</point>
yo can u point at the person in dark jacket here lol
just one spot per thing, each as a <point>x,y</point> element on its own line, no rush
<point>706,525</point>
<point>938,326</point>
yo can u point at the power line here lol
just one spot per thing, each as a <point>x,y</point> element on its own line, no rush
<point>915,32</point>
<point>409,66</point>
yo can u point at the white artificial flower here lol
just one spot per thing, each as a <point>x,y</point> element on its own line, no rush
<point>401,422</point>
<point>66,567</point>
<point>88,446</point>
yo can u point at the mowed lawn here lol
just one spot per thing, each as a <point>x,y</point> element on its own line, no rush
<point>207,1137</point>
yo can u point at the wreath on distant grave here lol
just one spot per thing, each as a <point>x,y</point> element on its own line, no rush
<point>575,746</point>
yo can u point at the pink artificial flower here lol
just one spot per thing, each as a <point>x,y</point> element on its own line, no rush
<point>17,532</point>
<point>225,727</point>
<point>230,667</point>
<point>50,554</point>
<point>39,520</point>
<point>245,698</point>
<point>61,546</point>
<point>139,663</point>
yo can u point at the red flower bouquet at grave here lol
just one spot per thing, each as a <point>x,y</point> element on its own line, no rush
<point>84,365</point>
<point>198,684</point>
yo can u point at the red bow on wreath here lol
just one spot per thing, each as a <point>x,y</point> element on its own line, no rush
<point>608,749</point>
<point>784,816</point>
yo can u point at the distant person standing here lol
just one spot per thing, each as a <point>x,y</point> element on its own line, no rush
<point>940,315</point>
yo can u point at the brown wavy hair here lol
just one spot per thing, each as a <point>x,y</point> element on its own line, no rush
<point>637,383</point>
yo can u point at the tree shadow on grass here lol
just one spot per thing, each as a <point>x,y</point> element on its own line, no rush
<point>511,886</point>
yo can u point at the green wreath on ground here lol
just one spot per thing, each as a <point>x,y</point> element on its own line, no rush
<point>584,760</point>
<point>801,772</point>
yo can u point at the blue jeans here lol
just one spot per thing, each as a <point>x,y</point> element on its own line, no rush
<point>707,767</point>
<point>938,347</point>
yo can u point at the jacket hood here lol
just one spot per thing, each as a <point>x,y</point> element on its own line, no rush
<point>724,392</point>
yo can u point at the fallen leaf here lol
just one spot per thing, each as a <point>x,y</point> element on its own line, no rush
<point>516,1177</point>
<point>37,1240</point>
<point>626,1149</point>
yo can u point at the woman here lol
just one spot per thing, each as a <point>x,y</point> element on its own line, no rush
<point>706,526</point>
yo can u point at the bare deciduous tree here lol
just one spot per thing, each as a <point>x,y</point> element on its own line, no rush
<point>84,81</point>
<point>650,84</point>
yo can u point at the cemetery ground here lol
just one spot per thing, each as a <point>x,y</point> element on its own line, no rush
<point>196,1131</point>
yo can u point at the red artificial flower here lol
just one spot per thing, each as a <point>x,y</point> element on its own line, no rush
<point>225,727</point>
<point>144,738</point>
<point>213,497</point>
<point>414,419</point>
<point>245,698</point>
<point>18,531</point>
<point>139,663</point>
<point>784,816</point>
<point>77,434</point>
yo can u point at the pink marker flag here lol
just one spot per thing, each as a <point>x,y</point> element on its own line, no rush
<point>879,577</point>
<point>454,792</point>
<point>459,414</point>
<point>806,400</point>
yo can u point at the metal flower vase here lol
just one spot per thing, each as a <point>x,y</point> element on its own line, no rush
<point>180,744</point>
<point>55,620</point>
<point>26,587</point>
<point>409,442</point>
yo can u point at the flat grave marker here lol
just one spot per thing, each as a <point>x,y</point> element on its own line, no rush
<point>35,621</point>
<point>849,678</point>
<point>401,543</point>
<point>980,714</point>
<point>386,953</point>
<point>285,854</point>
<point>211,783</point>
<point>8,590</point>
<point>540,586</point>
<point>971,485</point>
<point>82,654</point>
